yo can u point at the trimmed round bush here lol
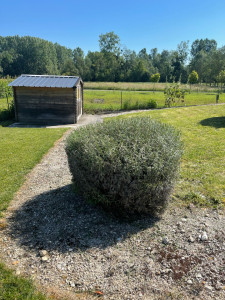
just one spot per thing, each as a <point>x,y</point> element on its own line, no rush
<point>128,165</point>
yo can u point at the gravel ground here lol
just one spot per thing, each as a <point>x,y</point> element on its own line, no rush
<point>71,247</point>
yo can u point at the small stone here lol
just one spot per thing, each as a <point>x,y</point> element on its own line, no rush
<point>191,206</point>
<point>198,275</point>
<point>149,248</point>
<point>208,287</point>
<point>72,284</point>
<point>218,287</point>
<point>184,219</point>
<point>204,236</point>
<point>17,272</point>
<point>165,241</point>
<point>43,253</point>
<point>44,258</point>
<point>189,281</point>
<point>191,239</point>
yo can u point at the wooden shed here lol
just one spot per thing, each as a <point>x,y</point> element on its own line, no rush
<point>48,99</point>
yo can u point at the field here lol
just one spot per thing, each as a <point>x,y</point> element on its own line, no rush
<point>98,101</point>
<point>144,86</point>
<point>203,166</point>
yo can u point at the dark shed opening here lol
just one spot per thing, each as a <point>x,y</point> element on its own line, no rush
<point>48,99</point>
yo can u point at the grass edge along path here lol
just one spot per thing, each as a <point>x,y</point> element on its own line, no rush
<point>202,179</point>
<point>21,149</point>
<point>14,287</point>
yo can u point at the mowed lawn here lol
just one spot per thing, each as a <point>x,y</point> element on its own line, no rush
<point>21,149</point>
<point>202,180</point>
<point>97,101</point>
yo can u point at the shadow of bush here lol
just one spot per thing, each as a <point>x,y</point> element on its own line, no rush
<point>61,220</point>
<point>216,122</point>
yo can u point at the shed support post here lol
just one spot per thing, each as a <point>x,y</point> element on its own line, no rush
<point>15,104</point>
<point>75,105</point>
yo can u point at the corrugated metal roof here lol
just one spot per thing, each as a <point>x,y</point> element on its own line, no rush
<point>45,81</point>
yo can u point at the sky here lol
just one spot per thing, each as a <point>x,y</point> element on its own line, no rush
<point>140,24</point>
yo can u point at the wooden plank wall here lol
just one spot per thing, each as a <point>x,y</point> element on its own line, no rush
<point>45,105</point>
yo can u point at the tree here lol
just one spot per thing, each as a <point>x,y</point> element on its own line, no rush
<point>155,78</point>
<point>109,42</point>
<point>173,94</point>
<point>97,66</point>
<point>78,58</point>
<point>200,64</point>
<point>69,68</point>
<point>178,62</point>
<point>129,59</point>
<point>183,51</point>
<point>165,66</point>
<point>139,73</point>
<point>63,54</point>
<point>193,77</point>
<point>221,78</point>
<point>205,45</point>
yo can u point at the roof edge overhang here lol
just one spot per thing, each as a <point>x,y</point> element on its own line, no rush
<point>26,77</point>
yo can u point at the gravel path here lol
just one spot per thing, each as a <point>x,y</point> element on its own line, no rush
<point>69,246</point>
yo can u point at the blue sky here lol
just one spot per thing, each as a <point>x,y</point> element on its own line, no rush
<point>139,24</point>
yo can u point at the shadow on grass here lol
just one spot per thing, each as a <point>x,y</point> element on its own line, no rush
<point>217,122</point>
<point>60,220</point>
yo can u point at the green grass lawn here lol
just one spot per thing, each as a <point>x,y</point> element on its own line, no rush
<point>111,100</point>
<point>16,288</point>
<point>202,179</point>
<point>21,149</point>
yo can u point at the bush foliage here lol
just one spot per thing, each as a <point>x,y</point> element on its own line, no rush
<point>128,165</point>
<point>173,94</point>
<point>7,114</point>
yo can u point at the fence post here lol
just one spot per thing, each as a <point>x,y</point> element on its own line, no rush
<point>7,100</point>
<point>217,98</point>
<point>121,100</point>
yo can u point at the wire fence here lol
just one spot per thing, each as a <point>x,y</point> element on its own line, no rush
<point>106,100</point>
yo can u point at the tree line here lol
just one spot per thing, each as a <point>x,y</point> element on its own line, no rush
<point>31,55</point>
